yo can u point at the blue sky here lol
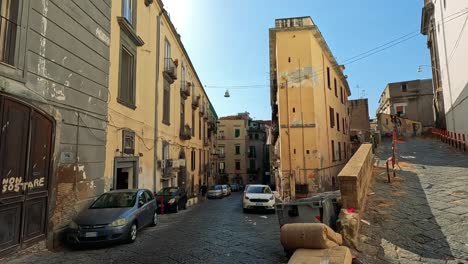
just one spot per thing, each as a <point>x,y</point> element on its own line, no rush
<point>227,41</point>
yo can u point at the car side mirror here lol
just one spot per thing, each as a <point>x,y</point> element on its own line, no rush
<point>140,204</point>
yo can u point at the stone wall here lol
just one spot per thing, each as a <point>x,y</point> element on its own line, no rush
<point>355,177</point>
<point>354,180</point>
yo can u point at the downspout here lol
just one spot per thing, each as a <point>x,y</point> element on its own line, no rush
<point>156,100</point>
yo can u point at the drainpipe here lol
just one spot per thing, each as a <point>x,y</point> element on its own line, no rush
<point>156,98</point>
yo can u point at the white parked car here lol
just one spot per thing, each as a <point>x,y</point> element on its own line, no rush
<point>258,196</point>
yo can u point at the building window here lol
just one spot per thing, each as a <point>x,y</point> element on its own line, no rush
<point>182,116</point>
<point>333,150</point>
<point>344,128</point>
<point>344,150</point>
<point>193,160</point>
<point>400,110</point>
<point>199,127</point>
<point>252,152</point>
<point>128,142</point>
<point>252,164</point>
<point>332,117</point>
<point>126,93</point>
<point>250,136</point>
<point>127,10</point>
<point>337,121</point>
<point>167,103</point>
<point>221,167</point>
<point>182,77</point>
<point>256,136</point>
<point>386,121</point>
<point>8,30</point>
<point>339,151</point>
<point>341,94</point>
<point>193,123</point>
<point>165,149</point>
<point>237,132</point>
<point>403,87</point>
<point>336,87</point>
<point>221,151</point>
<point>328,78</point>
<point>238,166</point>
<point>167,54</point>
<point>237,149</point>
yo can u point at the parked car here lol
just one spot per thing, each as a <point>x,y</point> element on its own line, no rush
<point>226,191</point>
<point>173,199</point>
<point>235,187</point>
<point>114,216</point>
<point>258,196</point>
<point>215,191</point>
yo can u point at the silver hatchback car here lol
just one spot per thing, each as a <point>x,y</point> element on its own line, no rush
<point>114,216</point>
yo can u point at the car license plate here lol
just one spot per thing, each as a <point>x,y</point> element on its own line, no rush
<point>91,234</point>
<point>259,204</point>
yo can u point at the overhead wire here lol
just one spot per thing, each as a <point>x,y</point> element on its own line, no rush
<point>359,56</point>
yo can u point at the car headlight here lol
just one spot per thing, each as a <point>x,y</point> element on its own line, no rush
<point>246,197</point>
<point>171,201</point>
<point>119,222</point>
<point>73,225</point>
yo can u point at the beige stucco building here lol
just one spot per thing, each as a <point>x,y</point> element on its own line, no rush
<point>161,123</point>
<point>409,99</point>
<point>309,109</point>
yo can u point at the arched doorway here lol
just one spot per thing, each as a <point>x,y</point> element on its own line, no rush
<point>182,174</point>
<point>26,137</point>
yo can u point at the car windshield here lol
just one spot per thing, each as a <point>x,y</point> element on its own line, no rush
<point>115,200</point>
<point>216,187</point>
<point>259,189</point>
<point>168,191</point>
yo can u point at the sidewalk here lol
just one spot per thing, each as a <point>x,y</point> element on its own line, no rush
<point>422,216</point>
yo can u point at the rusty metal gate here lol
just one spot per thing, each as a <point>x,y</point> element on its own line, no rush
<point>25,153</point>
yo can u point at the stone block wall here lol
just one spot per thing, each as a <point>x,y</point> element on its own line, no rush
<point>355,177</point>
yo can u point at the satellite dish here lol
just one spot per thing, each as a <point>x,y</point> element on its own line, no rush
<point>226,94</point>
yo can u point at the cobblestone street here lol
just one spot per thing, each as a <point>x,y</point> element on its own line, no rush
<point>215,231</point>
<point>422,216</point>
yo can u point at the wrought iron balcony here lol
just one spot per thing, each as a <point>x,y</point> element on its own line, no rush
<point>196,102</point>
<point>170,70</point>
<point>185,132</point>
<point>185,90</point>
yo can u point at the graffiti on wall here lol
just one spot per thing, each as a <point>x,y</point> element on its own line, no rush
<point>16,184</point>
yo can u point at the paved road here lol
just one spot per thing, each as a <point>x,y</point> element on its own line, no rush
<point>422,216</point>
<point>215,231</point>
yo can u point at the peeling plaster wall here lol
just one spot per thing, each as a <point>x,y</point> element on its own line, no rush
<point>62,67</point>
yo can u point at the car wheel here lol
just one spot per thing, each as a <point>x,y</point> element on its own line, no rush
<point>132,233</point>
<point>155,219</point>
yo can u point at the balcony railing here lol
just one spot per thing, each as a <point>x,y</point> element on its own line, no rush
<point>185,132</point>
<point>221,155</point>
<point>170,70</point>
<point>185,89</point>
<point>252,155</point>
<point>196,101</point>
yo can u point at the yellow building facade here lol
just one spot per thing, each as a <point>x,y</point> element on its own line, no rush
<point>309,109</point>
<point>161,123</point>
<point>232,149</point>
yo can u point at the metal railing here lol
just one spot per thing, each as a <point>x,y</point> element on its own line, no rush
<point>456,140</point>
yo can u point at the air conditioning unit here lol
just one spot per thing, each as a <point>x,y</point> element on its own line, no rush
<point>163,164</point>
